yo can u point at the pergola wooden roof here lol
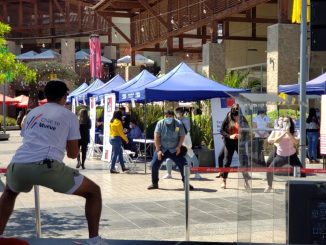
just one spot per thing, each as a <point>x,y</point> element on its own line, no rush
<point>152,21</point>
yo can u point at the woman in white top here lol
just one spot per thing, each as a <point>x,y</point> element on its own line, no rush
<point>286,153</point>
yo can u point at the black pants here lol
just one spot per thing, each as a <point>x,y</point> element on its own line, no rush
<point>83,153</point>
<point>280,161</point>
<point>230,147</point>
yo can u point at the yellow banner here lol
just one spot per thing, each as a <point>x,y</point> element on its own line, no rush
<point>296,11</point>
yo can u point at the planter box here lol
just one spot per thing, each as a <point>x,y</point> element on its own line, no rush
<point>206,157</point>
<point>4,136</point>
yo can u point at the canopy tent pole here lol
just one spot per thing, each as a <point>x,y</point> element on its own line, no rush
<point>303,79</point>
<point>145,131</point>
<point>4,108</point>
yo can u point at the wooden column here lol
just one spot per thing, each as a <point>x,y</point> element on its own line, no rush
<point>253,25</point>
<point>283,11</point>
<point>203,33</point>
<point>214,31</point>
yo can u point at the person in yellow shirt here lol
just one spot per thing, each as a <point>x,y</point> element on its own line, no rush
<point>116,137</point>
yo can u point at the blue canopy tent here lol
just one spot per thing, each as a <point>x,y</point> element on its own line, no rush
<point>140,80</point>
<point>27,56</point>
<point>180,84</point>
<point>81,96</point>
<point>76,91</point>
<point>107,87</point>
<point>47,55</point>
<point>316,86</point>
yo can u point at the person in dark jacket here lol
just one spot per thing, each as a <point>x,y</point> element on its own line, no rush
<point>312,129</point>
<point>231,132</point>
<point>84,127</point>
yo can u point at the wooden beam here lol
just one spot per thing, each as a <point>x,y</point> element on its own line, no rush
<point>115,14</point>
<point>253,24</point>
<point>251,20</point>
<point>153,12</point>
<point>243,6</point>
<point>203,32</point>
<point>20,14</point>
<point>67,14</point>
<point>175,50</point>
<point>180,43</point>
<point>59,7</point>
<point>117,29</point>
<point>51,20</point>
<point>79,16</point>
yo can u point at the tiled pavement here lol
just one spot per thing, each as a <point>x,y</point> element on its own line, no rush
<point>131,212</point>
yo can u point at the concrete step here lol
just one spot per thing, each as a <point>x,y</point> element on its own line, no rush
<point>50,241</point>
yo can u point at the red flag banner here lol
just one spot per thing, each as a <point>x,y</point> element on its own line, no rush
<point>95,56</point>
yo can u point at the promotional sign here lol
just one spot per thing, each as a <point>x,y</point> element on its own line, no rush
<point>220,108</point>
<point>73,105</point>
<point>109,107</point>
<point>323,125</point>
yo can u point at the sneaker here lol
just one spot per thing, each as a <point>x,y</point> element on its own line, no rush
<point>167,176</point>
<point>152,187</point>
<point>100,241</point>
<point>268,189</point>
<point>113,171</point>
<point>125,169</point>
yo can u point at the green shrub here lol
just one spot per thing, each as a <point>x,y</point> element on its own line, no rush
<point>9,121</point>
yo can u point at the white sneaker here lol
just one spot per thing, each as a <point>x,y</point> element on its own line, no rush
<point>268,189</point>
<point>100,241</point>
<point>197,176</point>
<point>167,176</point>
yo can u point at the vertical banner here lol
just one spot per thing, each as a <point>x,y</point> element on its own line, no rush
<point>323,125</point>
<point>95,64</point>
<point>220,108</point>
<point>92,116</point>
<point>109,107</point>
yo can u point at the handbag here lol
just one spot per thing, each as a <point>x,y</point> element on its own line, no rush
<point>183,151</point>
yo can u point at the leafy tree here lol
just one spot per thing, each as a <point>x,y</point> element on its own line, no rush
<point>10,68</point>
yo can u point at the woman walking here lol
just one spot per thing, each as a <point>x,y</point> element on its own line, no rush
<point>230,130</point>
<point>116,137</point>
<point>84,127</point>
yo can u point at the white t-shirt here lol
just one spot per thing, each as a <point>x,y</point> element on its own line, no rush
<point>46,131</point>
<point>262,123</point>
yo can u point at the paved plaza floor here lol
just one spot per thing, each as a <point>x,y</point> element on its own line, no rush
<point>131,212</point>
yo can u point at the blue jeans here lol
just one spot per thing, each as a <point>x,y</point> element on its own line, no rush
<point>312,138</point>
<point>116,143</point>
<point>180,161</point>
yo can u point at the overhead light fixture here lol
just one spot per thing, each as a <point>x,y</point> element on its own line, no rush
<point>142,28</point>
<point>43,45</point>
<point>115,34</point>
<point>66,43</point>
<point>204,11</point>
<point>172,21</point>
<point>21,45</point>
<point>187,55</point>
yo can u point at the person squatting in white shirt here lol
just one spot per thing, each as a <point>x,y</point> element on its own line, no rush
<point>48,132</point>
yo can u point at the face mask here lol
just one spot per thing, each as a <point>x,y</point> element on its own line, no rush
<point>178,115</point>
<point>280,123</point>
<point>130,126</point>
<point>286,125</point>
<point>168,120</point>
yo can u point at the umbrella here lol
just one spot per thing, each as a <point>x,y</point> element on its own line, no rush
<point>9,100</point>
<point>82,55</point>
<point>23,101</point>
<point>140,60</point>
